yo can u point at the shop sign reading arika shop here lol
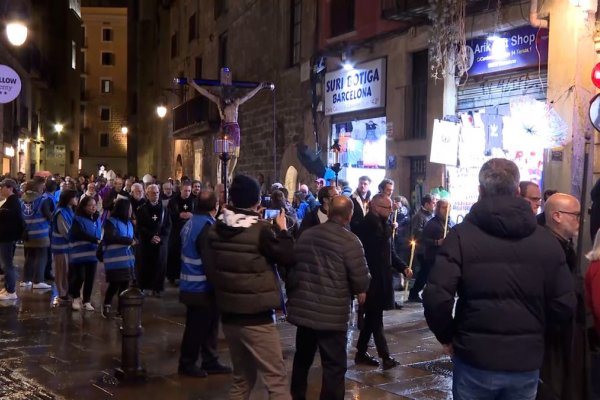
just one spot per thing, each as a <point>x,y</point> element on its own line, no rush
<point>10,84</point>
<point>360,88</point>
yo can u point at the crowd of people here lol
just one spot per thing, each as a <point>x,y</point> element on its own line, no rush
<point>517,328</point>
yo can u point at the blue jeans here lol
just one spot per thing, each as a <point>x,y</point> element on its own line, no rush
<point>470,383</point>
<point>7,252</point>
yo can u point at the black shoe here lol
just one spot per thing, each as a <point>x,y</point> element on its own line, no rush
<point>390,362</point>
<point>398,306</point>
<point>105,311</point>
<point>415,299</point>
<point>193,371</point>
<point>217,369</point>
<point>365,359</point>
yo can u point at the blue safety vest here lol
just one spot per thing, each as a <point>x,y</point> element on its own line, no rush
<point>59,244</point>
<point>83,251</point>
<point>36,224</point>
<point>193,276</point>
<point>119,256</point>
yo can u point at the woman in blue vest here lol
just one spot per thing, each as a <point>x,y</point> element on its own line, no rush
<point>59,243</point>
<point>119,260</point>
<point>84,238</point>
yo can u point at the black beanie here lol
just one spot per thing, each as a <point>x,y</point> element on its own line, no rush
<point>244,192</point>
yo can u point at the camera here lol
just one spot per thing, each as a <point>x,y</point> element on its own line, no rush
<point>271,214</point>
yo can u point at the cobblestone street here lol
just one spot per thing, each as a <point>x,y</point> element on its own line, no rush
<point>56,353</point>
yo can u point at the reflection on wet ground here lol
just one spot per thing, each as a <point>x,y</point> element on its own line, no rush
<point>56,353</point>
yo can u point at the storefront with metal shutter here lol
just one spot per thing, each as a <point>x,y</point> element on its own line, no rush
<point>503,111</point>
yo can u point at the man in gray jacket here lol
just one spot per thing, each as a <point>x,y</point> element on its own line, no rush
<point>330,269</point>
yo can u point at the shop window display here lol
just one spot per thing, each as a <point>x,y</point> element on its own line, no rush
<point>363,148</point>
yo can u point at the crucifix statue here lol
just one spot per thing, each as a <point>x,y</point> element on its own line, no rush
<point>228,106</point>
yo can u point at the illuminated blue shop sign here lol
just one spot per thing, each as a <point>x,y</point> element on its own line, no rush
<point>517,48</point>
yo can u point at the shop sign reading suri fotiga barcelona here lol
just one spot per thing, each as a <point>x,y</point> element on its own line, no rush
<point>360,88</point>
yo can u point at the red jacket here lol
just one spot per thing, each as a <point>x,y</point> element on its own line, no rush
<point>592,291</point>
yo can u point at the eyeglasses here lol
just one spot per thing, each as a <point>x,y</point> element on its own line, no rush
<point>534,199</point>
<point>575,214</point>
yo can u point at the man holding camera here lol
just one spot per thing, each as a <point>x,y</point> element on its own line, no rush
<point>241,253</point>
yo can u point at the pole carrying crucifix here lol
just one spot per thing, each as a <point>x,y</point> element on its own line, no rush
<point>228,106</point>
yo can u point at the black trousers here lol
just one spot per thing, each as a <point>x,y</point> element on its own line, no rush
<point>114,288</point>
<point>422,275</point>
<point>373,325</point>
<point>200,336</point>
<point>332,348</point>
<point>82,274</point>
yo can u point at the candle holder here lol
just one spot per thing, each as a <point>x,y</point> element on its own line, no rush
<point>335,150</point>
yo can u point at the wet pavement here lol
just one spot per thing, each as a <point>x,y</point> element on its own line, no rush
<point>56,353</point>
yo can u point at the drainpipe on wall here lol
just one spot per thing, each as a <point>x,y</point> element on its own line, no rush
<point>534,20</point>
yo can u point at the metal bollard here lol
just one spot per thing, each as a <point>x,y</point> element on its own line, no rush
<point>131,301</point>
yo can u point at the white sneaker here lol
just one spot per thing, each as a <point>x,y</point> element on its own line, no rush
<point>42,285</point>
<point>8,296</point>
<point>3,290</point>
<point>88,306</point>
<point>76,305</point>
<point>25,283</point>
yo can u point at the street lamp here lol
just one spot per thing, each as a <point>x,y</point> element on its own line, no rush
<point>161,110</point>
<point>58,127</point>
<point>124,130</point>
<point>16,32</point>
<point>223,147</point>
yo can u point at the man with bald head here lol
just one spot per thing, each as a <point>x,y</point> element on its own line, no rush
<point>330,268</point>
<point>511,280</point>
<point>563,374</point>
<point>375,233</point>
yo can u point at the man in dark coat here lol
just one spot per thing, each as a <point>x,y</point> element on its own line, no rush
<point>376,236</point>
<point>330,268</point>
<point>432,239</point>
<point>511,280</point>
<point>421,218</point>
<point>319,214</point>
<point>180,210</point>
<point>360,199</point>
<point>11,230</point>
<point>153,227</point>
<point>564,375</point>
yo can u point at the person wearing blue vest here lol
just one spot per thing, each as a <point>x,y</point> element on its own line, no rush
<point>119,259</point>
<point>84,238</point>
<point>37,213</point>
<point>50,188</point>
<point>202,317</point>
<point>59,243</point>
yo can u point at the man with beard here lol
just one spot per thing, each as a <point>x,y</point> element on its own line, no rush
<point>167,193</point>
<point>360,198</point>
<point>137,197</point>
<point>153,227</point>
<point>196,188</point>
<point>180,210</point>
<point>110,193</point>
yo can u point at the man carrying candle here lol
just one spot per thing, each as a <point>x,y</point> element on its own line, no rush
<point>512,282</point>
<point>375,233</point>
<point>421,218</point>
<point>431,239</point>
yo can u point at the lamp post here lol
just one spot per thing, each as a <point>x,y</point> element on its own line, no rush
<point>335,150</point>
<point>223,148</point>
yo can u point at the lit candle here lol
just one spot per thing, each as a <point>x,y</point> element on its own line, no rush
<point>446,223</point>
<point>413,244</point>
<point>394,219</point>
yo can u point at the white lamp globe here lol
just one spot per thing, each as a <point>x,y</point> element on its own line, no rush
<point>161,111</point>
<point>16,33</point>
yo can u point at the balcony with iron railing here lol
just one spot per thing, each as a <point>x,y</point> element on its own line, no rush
<point>191,117</point>
<point>417,11</point>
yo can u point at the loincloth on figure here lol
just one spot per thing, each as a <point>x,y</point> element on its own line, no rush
<point>232,130</point>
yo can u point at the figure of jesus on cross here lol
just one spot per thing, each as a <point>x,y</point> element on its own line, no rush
<point>228,106</point>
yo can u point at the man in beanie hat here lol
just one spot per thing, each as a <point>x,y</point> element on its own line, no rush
<point>241,253</point>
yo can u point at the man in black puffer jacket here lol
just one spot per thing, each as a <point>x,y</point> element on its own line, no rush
<point>11,230</point>
<point>240,253</point>
<point>511,279</point>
